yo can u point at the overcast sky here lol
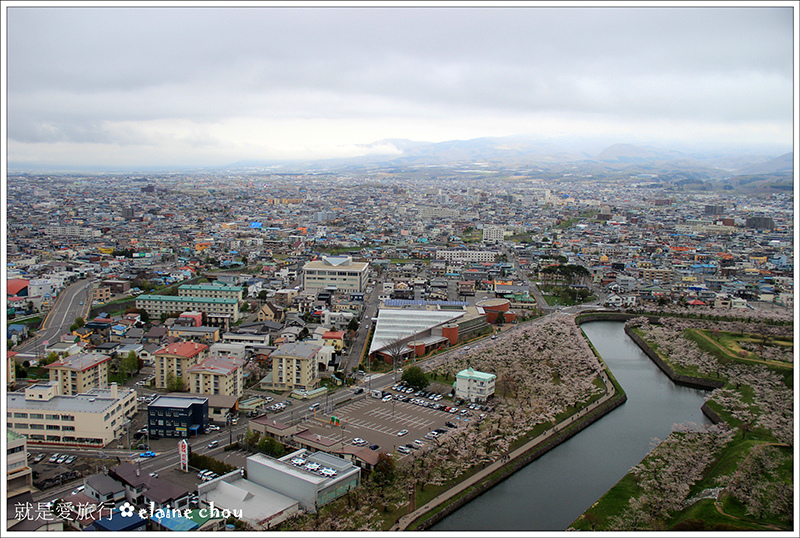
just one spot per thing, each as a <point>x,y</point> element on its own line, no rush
<point>142,86</point>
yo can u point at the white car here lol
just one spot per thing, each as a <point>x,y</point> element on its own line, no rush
<point>387,398</point>
<point>404,449</point>
<point>418,443</point>
<point>213,427</point>
<point>358,441</point>
<point>401,433</point>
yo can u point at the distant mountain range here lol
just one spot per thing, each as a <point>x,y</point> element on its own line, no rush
<point>585,153</point>
<point>578,154</point>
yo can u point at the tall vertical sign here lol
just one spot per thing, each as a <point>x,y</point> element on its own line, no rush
<point>183,454</point>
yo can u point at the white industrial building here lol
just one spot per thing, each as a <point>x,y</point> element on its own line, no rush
<point>300,482</point>
<point>276,489</point>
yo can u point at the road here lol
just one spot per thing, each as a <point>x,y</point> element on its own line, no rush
<point>61,317</point>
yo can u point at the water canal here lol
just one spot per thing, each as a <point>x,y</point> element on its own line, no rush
<point>551,492</point>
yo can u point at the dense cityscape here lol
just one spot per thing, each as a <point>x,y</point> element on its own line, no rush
<point>286,350</point>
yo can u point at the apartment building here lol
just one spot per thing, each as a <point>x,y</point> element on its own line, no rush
<point>217,375</point>
<point>101,294</point>
<point>72,231</point>
<point>177,359</point>
<point>91,419</point>
<point>294,366</point>
<point>79,373</point>
<point>18,474</point>
<point>11,369</point>
<point>474,386</point>
<point>339,272</point>
<point>210,291</point>
<point>466,255</point>
<point>493,234</point>
<point>155,305</point>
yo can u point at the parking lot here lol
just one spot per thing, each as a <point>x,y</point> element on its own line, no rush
<point>387,424</point>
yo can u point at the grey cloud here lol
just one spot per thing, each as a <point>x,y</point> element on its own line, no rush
<point>72,71</point>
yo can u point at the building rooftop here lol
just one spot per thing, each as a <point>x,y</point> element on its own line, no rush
<point>297,349</point>
<point>176,401</point>
<point>93,401</point>
<point>470,373</point>
<point>256,502</point>
<point>79,362</point>
<point>183,349</point>
<point>175,298</point>
<point>399,323</point>
<point>217,365</point>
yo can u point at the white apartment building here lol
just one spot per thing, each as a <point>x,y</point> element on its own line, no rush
<point>493,234</point>
<point>72,231</point>
<point>474,386</point>
<point>340,272</point>
<point>466,255</point>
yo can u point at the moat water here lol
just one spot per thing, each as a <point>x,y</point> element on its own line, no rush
<point>554,490</point>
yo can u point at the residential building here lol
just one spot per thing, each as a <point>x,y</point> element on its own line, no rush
<point>91,419</point>
<point>295,366</point>
<point>270,312</point>
<point>466,255</point>
<point>79,373</point>
<point>216,310</point>
<point>493,234</point>
<point>217,375</point>
<point>203,334</point>
<point>176,359</point>
<point>339,272</point>
<point>101,294</point>
<point>104,489</point>
<point>18,474</point>
<point>211,291</point>
<point>11,370</point>
<point>473,385</point>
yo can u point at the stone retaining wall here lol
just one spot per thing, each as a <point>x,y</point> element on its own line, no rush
<point>528,457</point>
<point>685,380</point>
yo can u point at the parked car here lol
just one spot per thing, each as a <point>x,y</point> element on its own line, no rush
<point>39,458</point>
<point>404,449</point>
<point>62,458</point>
<point>450,424</point>
<point>213,427</point>
<point>358,441</point>
<point>54,457</point>
<point>401,433</point>
<point>70,459</point>
<point>375,447</point>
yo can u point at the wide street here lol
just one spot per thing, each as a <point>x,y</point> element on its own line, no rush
<point>73,302</point>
